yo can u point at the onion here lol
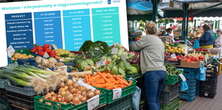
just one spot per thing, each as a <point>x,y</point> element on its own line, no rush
<point>78,87</point>
<point>62,84</point>
<point>97,92</point>
<point>48,96</point>
<point>52,93</point>
<point>61,90</point>
<point>70,83</point>
<point>68,96</point>
<point>78,92</point>
<point>75,85</point>
<point>83,99</point>
<point>66,87</point>
<point>74,90</point>
<point>84,93</point>
<point>76,101</point>
<point>63,93</point>
<point>83,89</point>
<point>90,94</point>
<point>70,88</point>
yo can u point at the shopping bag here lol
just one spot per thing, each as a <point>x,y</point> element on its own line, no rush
<point>202,74</point>
<point>136,98</point>
<point>196,44</point>
<point>183,86</point>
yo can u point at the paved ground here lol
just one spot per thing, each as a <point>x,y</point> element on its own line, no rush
<point>205,103</point>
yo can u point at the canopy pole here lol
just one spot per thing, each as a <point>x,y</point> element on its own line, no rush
<point>155,9</point>
<point>185,21</point>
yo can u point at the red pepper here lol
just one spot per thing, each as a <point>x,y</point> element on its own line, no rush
<point>41,53</point>
<point>46,46</point>
<point>48,50</point>
<point>52,53</point>
<point>39,48</point>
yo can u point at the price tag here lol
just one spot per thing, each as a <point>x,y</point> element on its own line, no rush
<point>62,68</point>
<point>54,46</point>
<point>114,51</point>
<point>93,102</point>
<point>100,63</point>
<point>117,93</point>
<point>10,51</point>
<point>173,56</point>
<point>46,55</point>
<point>182,77</point>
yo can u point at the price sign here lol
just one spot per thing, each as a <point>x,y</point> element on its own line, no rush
<point>62,68</point>
<point>117,93</point>
<point>10,51</point>
<point>46,55</point>
<point>54,46</point>
<point>114,51</point>
<point>173,56</point>
<point>93,102</point>
<point>100,63</point>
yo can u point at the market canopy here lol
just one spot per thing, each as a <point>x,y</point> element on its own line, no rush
<point>138,7</point>
<point>196,9</point>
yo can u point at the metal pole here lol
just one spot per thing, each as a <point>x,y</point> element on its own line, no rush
<point>155,9</point>
<point>185,21</point>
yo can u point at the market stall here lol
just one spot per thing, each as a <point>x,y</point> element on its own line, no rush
<point>50,69</point>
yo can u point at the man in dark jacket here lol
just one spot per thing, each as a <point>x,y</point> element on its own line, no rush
<point>206,40</point>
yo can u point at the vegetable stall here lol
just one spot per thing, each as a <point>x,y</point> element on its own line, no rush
<point>101,76</point>
<point>96,76</point>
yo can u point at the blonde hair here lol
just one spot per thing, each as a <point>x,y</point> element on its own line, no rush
<point>150,28</point>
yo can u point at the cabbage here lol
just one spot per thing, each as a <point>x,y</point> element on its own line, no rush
<point>115,70</point>
<point>122,72</point>
<point>85,64</point>
<point>132,70</point>
<point>122,65</point>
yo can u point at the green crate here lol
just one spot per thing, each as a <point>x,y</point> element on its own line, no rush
<point>172,80</point>
<point>2,83</point>
<point>41,104</point>
<point>125,92</point>
<point>173,105</point>
<point>124,103</point>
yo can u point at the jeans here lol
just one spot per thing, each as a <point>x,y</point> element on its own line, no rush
<point>154,83</point>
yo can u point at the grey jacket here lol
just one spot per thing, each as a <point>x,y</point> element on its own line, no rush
<point>151,53</point>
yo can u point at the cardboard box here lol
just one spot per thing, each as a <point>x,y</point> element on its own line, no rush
<point>219,69</point>
<point>190,64</point>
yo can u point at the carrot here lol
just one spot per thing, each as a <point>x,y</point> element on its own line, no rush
<point>107,80</point>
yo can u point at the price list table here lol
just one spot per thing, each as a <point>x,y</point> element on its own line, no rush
<point>76,28</point>
<point>19,30</point>
<point>106,25</point>
<point>48,28</point>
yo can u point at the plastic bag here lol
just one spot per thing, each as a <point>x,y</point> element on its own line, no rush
<point>202,74</point>
<point>183,86</point>
<point>136,99</point>
<point>196,44</point>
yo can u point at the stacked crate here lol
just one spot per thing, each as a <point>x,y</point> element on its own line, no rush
<point>16,98</point>
<point>191,93</point>
<point>169,97</point>
<point>208,88</point>
<point>173,105</point>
